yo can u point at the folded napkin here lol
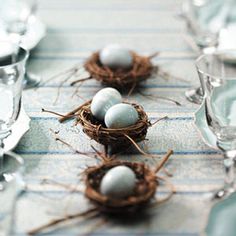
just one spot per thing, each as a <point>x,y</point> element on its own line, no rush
<point>213,15</point>
<point>227,37</point>
<point>222,218</point>
<point>35,32</point>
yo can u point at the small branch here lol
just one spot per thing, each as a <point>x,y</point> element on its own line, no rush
<point>170,100</point>
<point>70,114</point>
<point>149,96</point>
<point>132,88</point>
<point>76,92</point>
<point>60,220</point>
<point>81,80</point>
<point>64,81</point>
<point>77,66</point>
<point>153,55</point>
<point>162,118</point>
<point>68,187</point>
<point>172,191</point>
<point>103,156</point>
<point>72,148</point>
<point>163,161</point>
<point>137,147</point>
<point>167,76</point>
<point>54,113</point>
<point>167,172</point>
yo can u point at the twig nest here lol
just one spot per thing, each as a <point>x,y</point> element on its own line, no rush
<point>124,73</point>
<point>115,137</point>
<point>144,189</point>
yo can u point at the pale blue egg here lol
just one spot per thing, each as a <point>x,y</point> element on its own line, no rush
<point>118,182</point>
<point>120,116</point>
<point>115,56</point>
<point>103,100</point>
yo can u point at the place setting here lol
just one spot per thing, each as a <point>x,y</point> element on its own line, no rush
<point>216,69</point>
<point>212,36</point>
<point>209,33</point>
<point>215,120</point>
<point>14,123</point>
<point>20,31</point>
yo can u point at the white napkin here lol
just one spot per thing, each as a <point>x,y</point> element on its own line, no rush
<point>227,38</point>
<point>216,14</point>
<point>35,32</point>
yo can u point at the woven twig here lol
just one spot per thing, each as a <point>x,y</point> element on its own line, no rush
<point>141,69</point>
<point>145,190</point>
<point>146,186</point>
<point>97,130</point>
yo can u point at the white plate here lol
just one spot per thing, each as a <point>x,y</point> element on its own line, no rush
<point>201,124</point>
<point>36,31</point>
<point>19,128</point>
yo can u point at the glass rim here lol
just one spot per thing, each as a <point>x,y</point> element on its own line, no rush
<point>214,54</point>
<point>24,58</point>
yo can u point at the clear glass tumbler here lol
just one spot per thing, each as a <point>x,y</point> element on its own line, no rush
<point>218,80</point>
<point>11,83</point>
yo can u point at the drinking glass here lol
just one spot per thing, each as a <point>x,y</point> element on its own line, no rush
<point>15,14</point>
<point>205,19</point>
<point>10,187</point>
<point>218,80</point>
<point>11,76</point>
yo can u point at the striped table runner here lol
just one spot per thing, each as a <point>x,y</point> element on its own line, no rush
<point>76,28</point>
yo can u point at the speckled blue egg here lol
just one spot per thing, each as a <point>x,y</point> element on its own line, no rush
<point>120,116</point>
<point>103,100</point>
<point>118,182</point>
<point>115,56</point>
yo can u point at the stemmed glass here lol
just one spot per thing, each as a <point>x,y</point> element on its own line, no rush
<point>205,19</point>
<point>11,75</point>
<point>16,15</point>
<point>218,81</point>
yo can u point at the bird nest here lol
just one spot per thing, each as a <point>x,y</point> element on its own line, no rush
<point>142,198</point>
<point>145,189</point>
<point>97,130</point>
<point>141,69</point>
